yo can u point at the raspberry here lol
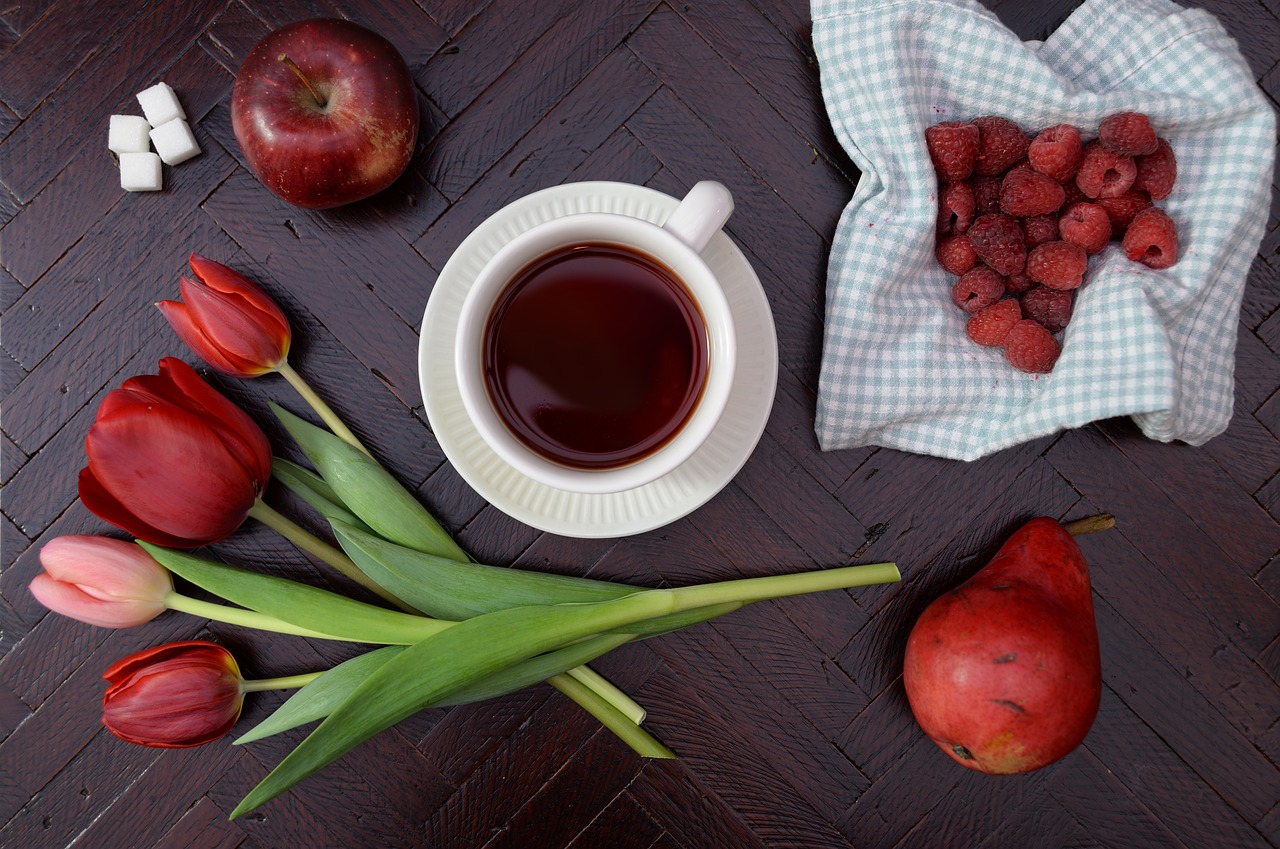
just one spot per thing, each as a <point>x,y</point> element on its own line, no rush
<point>1056,152</point>
<point>1152,239</point>
<point>1060,265</point>
<point>1039,229</point>
<point>1001,144</point>
<point>986,194</point>
<point>1049,307</point>
<point>955,254</point>
<point>1026,192</point>
<point>998,241</point>
<point>1104,173</point>
<point>1031,348</point>
<point>1086,225</point>
<point>955,208</point>
<point>990,325</point>
<point>1017,283</point>
<point>1074,195</point>
<point>977,288</point>
<point>1157,172</point>
<point>1123,208</point>
<point>953,147</point>
<point>1128,134</point>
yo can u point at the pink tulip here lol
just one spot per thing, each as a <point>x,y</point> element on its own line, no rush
<point>101,581</point>
<point>175,695</point>
<point>228,321</point>
<point>173,462</point>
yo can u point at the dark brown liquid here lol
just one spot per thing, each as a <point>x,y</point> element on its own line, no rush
<point>595,356</point>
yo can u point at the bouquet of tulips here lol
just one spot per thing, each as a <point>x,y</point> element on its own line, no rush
<point>178,466</point>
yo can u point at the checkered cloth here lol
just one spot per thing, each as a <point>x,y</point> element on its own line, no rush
<point>897,368</point>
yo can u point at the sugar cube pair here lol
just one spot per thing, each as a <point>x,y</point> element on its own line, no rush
<point>165,126</point>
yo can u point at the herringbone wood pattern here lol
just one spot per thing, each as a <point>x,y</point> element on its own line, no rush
<point>789,717</point>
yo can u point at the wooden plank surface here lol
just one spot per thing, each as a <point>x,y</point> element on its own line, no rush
<point>789,718</point>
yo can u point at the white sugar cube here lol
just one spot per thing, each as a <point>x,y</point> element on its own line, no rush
<point>128,134</point>
<point>140,172</point>
<point>174,142</point>
<point>160,104</point>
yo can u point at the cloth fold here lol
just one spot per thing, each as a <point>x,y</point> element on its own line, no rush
<point>897,368</point>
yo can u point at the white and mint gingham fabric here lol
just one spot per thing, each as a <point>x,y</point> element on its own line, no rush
<point>897,368</point>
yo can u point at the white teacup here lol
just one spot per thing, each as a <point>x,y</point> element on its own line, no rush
<point>525,366</point>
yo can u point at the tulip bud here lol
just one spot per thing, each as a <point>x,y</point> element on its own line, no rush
<point>172,461</point>
<point>228,321</point>
<point>101,581</point>
<point>175,695</point>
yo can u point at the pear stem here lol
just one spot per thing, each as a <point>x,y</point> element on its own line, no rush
<point>293,66</point>
<point>1090,524</point>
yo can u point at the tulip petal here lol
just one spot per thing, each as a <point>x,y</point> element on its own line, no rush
<point>179,386</point>
<point>128,395</point>
<point>222,279</point>
<point>72,601</point>
<point>120,671</point>
<point>193,337</point>
<point>240,432</point>
<point>246,325</point>
<point>170,470</point>
<point>177,695</point>
<point>102,504</point>
<point>105,568</point>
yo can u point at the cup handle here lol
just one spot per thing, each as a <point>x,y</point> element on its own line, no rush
<point>701,214</point>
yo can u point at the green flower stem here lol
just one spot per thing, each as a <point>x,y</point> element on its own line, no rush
<point>323,410</point>
<point>288,682</point>
<point>235,616</point>
<point>593,681</point>
<point>329,614</point>
<point>312,544</point>
<point>748,590</point>
<point>627,730</point>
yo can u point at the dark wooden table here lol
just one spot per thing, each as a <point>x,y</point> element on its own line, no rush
<point>789,717</point>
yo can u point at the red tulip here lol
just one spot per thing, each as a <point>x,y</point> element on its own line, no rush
<point>175,695</point>
<point>228,321</point>
<point>101,581</point>
<point>173,462</point>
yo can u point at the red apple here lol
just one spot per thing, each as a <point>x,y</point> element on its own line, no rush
<point>325,112</point>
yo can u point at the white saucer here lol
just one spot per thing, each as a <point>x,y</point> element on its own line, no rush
<point>634,511</point>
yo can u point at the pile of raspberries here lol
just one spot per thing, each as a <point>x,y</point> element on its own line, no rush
<point>1019,217</point>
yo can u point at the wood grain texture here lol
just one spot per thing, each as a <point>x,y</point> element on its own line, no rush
<point>789,717</point>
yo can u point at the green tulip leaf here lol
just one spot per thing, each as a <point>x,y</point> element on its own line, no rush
<point>535,669</point>
<point>312,489</point>
<point>474,649</point>
<point>369,491</point>
<point>675,621</point>
<point>298,604</point>
<point>448,589</point>
<point>317,699</point>
<point>439,665</point>
<point>452,589</point>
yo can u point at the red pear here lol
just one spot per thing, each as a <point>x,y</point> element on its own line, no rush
<point>1003,672</point>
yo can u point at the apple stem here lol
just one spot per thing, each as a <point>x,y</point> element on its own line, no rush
<point>293,66</point>
<point>1090,524</point>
